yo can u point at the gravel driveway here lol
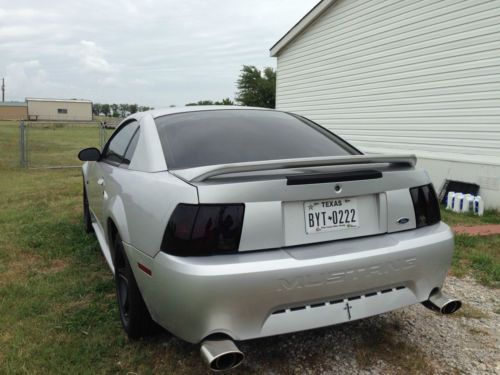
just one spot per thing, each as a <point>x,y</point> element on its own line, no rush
<point>409,341</point>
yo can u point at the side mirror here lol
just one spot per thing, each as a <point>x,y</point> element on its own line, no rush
<point>89,154</point>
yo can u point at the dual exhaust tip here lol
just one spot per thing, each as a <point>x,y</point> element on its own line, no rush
<point>440,302</point>
<point>221,354</point>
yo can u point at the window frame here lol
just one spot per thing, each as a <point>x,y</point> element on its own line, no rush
<point>106,146</point>
<point>136,133</point>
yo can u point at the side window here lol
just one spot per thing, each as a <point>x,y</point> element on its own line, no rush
<point>131,148</point>
<point>117,146</point>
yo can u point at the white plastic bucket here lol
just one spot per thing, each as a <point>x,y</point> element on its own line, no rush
<point>478,206</point>
<point>450,200</point>
<point>458,202</point>
<point>468,203</point>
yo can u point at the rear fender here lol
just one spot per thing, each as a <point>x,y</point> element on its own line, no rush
<point>117,215</point>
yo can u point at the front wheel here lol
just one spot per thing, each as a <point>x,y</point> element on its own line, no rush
<point>134,314</point>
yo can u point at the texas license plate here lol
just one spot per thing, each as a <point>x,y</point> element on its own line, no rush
<point>331,214</point>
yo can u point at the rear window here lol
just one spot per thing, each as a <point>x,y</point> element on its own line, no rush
<point>195,139</point>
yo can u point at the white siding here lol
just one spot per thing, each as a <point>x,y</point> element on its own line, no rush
<point>401,76</point>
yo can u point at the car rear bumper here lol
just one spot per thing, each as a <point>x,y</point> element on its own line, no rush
<point>265,293</point>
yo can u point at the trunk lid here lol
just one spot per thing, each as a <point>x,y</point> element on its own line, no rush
<point>297,202</point>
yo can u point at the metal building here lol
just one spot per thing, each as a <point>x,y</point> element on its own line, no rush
<point>402,76</point>
<point>13,111</point>
<point>59,109</point>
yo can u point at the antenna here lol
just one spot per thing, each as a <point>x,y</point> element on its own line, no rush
<point>3,90</point>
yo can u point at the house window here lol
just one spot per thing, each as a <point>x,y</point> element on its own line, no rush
<point>63,111</point>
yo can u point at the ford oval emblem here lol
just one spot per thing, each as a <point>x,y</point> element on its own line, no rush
<point>403,220</point>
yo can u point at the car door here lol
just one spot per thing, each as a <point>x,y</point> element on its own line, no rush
<point>112,157</point>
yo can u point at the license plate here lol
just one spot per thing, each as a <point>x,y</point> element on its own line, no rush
<point>330,215</point>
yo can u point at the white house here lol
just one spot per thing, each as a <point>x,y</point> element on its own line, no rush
<point>402,76</point>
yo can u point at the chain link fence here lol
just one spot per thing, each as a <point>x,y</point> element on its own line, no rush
<point>44,144</point>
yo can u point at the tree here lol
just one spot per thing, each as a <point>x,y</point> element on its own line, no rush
<point>124,110</point>
<point>105,109</point>
<point>114,109</point>
<point>96,109</point>
<point>201,102</point>
<point>225,101</point>
<point>257,88</point>
<point>117,110</point>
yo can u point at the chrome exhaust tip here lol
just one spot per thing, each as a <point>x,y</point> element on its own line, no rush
<point>221,355</point>
<point>440,302</point>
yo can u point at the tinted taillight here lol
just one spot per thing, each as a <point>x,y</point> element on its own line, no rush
<point>197,230</point>
<point>426,205</point>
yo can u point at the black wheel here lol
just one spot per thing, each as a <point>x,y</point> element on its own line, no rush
<point>87,222</point>
<point>134,314</point>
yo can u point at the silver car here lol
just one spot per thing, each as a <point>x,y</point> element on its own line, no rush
<point>234,223</point>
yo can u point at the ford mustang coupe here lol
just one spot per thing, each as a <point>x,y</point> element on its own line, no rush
<point>233,223</point>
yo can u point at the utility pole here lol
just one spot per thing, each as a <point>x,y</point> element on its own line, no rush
<point>3,90</point>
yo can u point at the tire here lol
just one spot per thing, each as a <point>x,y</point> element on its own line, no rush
<point>134,315</point>
<point>87,222</point>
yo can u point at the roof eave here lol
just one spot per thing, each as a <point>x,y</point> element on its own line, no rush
<point>59,100</point>
<point>310,17</point>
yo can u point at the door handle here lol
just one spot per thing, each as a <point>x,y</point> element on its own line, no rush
<point>100,181</point>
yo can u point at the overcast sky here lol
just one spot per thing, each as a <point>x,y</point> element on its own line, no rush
<point>149,52</point>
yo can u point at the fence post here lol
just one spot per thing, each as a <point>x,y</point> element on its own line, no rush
<point>101,137</point>
<point>22,144</point>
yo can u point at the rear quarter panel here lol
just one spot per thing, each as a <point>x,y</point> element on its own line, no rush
<point>140,204</point>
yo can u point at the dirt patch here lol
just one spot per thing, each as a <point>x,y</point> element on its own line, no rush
<point>477,230</point>
<point>18,267</point>
<point>382,343</point>
<point>57,265</point>
<point>21,265</point>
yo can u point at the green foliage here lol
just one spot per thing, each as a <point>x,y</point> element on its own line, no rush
<point>225,101</point>
<point>117,110</point>
<point>453,218</point>
<point>105,109</point>
<point>96,109</point>
<point>114,109</point>
<point>133,108</point>
<point>478,256</point>
<point>257,88</point>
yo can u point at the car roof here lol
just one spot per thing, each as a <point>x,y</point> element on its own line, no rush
<point>155,113</point>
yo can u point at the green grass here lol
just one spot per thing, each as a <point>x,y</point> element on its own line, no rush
<point>58,313</point>
<point>55,145</point>
<point>57,304</point>
<point>49,144</point>
<point>469,219</point>
<point>478,256</point>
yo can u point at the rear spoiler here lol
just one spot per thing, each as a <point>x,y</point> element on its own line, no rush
<point>203,173</point>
